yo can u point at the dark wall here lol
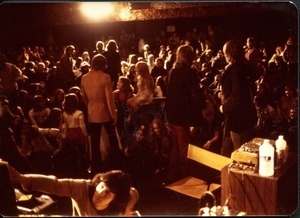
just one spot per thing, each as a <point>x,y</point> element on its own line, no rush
<point>272,27</point>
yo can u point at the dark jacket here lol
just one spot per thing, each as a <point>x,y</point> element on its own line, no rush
<point>237,87</point>
<point>113,65</point>
<point>184,99</point>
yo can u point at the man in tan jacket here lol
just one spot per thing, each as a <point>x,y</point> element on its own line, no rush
<point>98,97</point>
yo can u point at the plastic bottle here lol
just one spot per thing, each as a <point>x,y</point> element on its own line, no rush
<point>281,149</point>
<point>266,159</point>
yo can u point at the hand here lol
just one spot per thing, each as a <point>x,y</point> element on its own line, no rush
<point>55,152</point>
<point>221,109</point>
<point>207,145</point>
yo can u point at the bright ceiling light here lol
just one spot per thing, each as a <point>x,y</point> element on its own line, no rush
<point>124,13</point>
<point>97,10</point>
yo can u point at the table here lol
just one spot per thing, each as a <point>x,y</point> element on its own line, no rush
<point>247,191</point>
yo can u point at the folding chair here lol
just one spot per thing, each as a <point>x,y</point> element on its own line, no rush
<point>193,185</point>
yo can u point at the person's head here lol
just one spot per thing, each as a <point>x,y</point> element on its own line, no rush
<point>112,187</point>
<point>3,105</point>
<point>99,62</point>
<point>157,126</point>
<point>59,95</point>
<point>151,59</point>
<point>131,69</point>
<point>55,118</point>
<point>75,89</point>
<point>78,62</point>
<point>140,133</point>
<point>40,67</point>
<point>218,78</point>
<point>71,103</point>
<point>85,56</point>
<point>84,67</point>
<point>39,102</point>
<point>290,90</point>
<point>124,84</point>
<point>161,83</point>
<point>184,56</point>
<point>69,50</point>
<point>29,65</point>
<point>159,62</point>
<point>233,51</point>
<point>132,59</point>
<point>131,74</point>
<point>112,45</point>
<point>146,47</point>
<point>142,68</point>
<point>100,46</point>
<point>278,50</point>
<point>250,41</point>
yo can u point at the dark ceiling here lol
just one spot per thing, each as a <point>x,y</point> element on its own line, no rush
<point>67,13</point>
<point>63,22</point>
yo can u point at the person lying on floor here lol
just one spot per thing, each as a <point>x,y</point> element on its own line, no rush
<point>108,193</point>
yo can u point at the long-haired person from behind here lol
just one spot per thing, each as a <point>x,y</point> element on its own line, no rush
<point>238,88</point>
<point>108,193</point>
<point>184,105</point>
<point>113,61</point>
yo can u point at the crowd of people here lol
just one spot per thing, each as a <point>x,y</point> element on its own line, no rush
<point>102,111</point>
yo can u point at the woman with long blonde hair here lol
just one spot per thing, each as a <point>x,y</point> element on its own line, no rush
<point>145,89</point>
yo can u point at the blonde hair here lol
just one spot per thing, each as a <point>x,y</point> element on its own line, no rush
<point>142,69</point>
<point>143,75</point>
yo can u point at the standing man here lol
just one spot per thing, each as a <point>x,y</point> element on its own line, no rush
<point>238,86</point>
<point>98,97</point>
<point>113,58</point>
<point>67,68</point>
<point>184,105</point>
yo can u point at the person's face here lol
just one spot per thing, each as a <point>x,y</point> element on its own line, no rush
<point>159,63</point>
<point>3,107</point>
<point>60,96</point>
<point>288,92</point>
<point>156,129</point>
<point>139,136</point>
<point>226,55</point>
<point>249,42</point>
<point>132,69</point>
<point>218,78</point>
<point>120,84</point>
<point>102,196</point>
<point>70,52</point>
<point>100,48</point>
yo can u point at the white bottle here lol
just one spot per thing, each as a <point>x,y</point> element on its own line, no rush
<point>281,149</point>
<point>266,159</point>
